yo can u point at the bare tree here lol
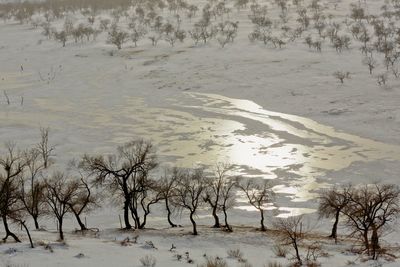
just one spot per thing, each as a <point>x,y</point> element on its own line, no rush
<point>382,79</point>
<point>32,188</point>
<point>168,184</point>
<point>227,200</point>
<point>370,62</point>
<point>213,192</point>
<point>117,36</point>
<point>60,190</point>
<point>258,195</point>
<point>149,195</point>
<point>82,201</point>
<point>61,36</point>
<point>227,32</point>
<point>138,32</point>
<point>331,204</point>
<point>291,232</point>
<point>370,209</point>
<point>119,173</point>
<point>12,166</point>
<point>46,150</point>
<point>340,75</point>
<point>189,193</point>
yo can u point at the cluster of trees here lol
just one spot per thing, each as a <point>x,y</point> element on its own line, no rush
<point>30,189</point>
<point>367,211</point>
<point>157,20</point>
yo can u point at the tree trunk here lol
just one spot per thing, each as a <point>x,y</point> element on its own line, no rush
<point>169,213</point>
<point>60,230</point>
<point>334,227</point>
<point>143,224</point>
<point>263,228</point>
<point>28,233</point>
<point>78,219</point>
<point>297,252</point>
<point>193,223</point>
<point>228,227</point>
<point>374,243</point>
<point>126,215</point>
<point>8,232</point>
<point>35,220</point>
<point>366,242</point>
<point>216,219</point>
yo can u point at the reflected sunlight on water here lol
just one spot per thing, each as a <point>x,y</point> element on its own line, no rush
<point>204,129</point>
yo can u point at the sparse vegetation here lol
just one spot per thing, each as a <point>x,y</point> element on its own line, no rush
<point>33,187</point>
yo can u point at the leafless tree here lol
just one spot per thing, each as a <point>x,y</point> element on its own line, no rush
<point>331,204</point>
<point>32,187</point>
<point>258,195</point>
<point>227,32</point>
<point>150,193</point>
<point>291,232</point>
<point>119,173</point>
<point>382,79</point>
<point>340,75</point>
<point>12,165</point>
<point>212,195</point>
<point>168,184</point>
<point>46,150</point>
<point>82,201</point>
<point>370,62</point>
<point>117,36</point>
<point>61,36</point>
<point>189,193</point>
<point>202,30</point>
<point>60,190</point>
<point>227,200</point>
<point>370,209</point>
<point>104,24</point>
<point>138,31</point>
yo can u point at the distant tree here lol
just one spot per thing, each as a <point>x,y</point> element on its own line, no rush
<point>138,32</point>
<point>370,62</point>
<point>104,24</point>
<point>227,32</point>
<point>340,75</point>
<point>258,195</point>
<point>61,36</point>
<point>117,36</point>
<point>46,150</point>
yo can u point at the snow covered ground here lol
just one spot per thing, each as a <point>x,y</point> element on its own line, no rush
<point>274,113</point>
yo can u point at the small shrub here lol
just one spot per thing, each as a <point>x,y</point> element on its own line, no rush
<point>215,262</point>
<point>341,76</point>
<point>280,251</point>
<point>273,264</point>
<point>313,264</point>
<point>235,253</point>
<point>148,261</point>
